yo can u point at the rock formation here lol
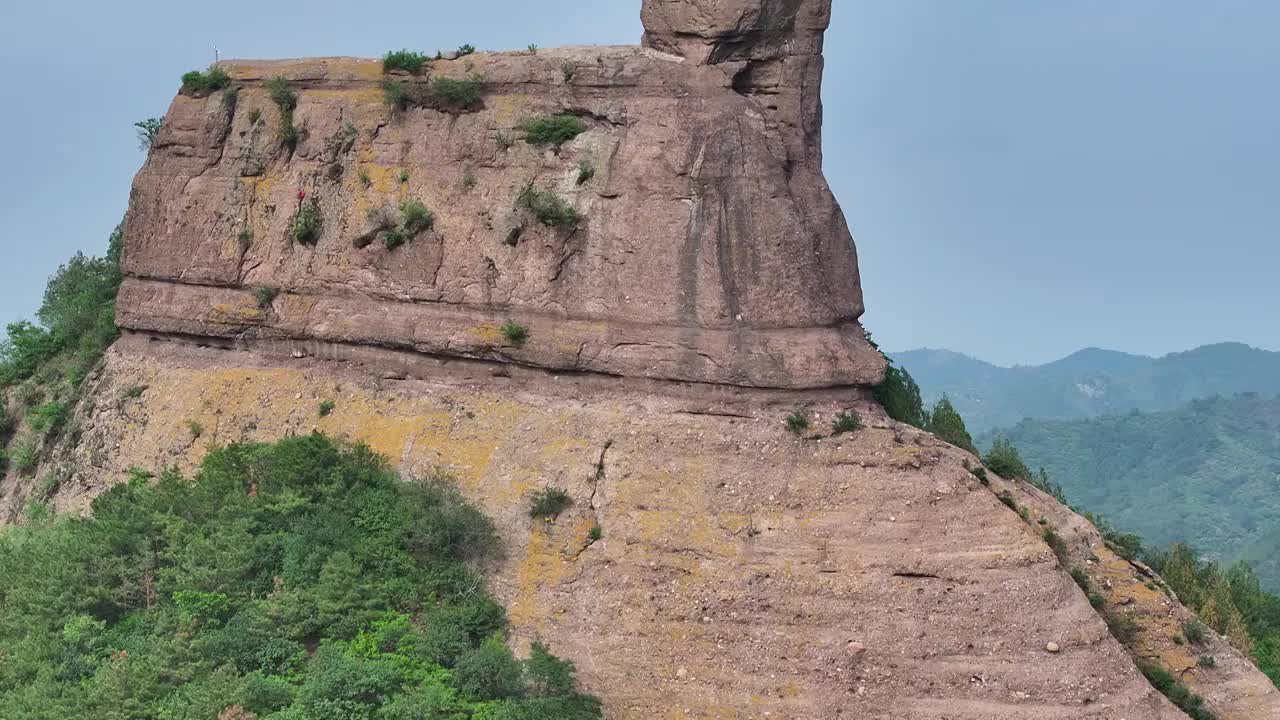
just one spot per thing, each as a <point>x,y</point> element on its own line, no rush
<point>704,287</point>
<point>708,246</point>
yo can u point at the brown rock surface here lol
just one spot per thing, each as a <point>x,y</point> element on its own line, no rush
<point>709,248</point>
<point>743,572</point>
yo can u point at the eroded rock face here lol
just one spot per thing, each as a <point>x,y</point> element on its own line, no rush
<point>709,247</point>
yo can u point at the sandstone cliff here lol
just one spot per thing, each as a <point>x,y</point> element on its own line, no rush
<point>707,246</point>
<point>705,287</point>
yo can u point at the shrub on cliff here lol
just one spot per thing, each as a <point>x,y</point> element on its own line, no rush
<point>457,94</point>
<point>550,209</point>
<point>552,129</point>
<point>1004,460</point>
<point>202,83</point>
<point>408,61</point>
<point>300,579</point>
<point>305,228</point>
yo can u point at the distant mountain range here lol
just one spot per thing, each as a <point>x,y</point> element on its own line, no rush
<point>1089,383</point>
<point>1207,473</point>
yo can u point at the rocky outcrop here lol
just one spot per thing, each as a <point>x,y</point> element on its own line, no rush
<point>706,246</point>
<point>694,285</point>
<point>741,571</point>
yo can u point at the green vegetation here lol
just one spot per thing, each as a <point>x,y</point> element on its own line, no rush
<point>797,422</point>
<point>552,129</point>
<point>295,580</point>
<point>204,83</point>
<point>568,70</point>
<point>503,140</point>
<point>245,238</point>
<point>586,171</point>
<point>44,364</point>
<point>281,92</point>
<point>306,224</point>
<point>1231,601</point>
<point>265,296</point>
<point>846,422</point>
<point>48,418</point>
<point>1090,383</point>
<point>397,96</point>
<point>1203,474</point>
<point>406,60</point>
<point>403,177</point>
<point>514,333</point>
<point>327,407</point>
<point>286,100</point>
<point>947,424</point>
<point>147,131</point>
<point>596,533</point>
<point>23,457</point>
<point>195,428</point>
<point>458,95</point>
<point>399,227</point>
<point>467,49</point>
<point>549,208</point>
<point>1178,694</point>
<point>548,503</point>
<point>365,180</point>
<point>415,217</point>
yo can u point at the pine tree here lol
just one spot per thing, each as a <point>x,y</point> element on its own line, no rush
<point>947,424</point>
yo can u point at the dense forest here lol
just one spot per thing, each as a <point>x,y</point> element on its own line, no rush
<point>296,580</point>
<point>1206,474</point>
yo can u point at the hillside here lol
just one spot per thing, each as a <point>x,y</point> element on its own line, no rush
<point>605,296</point>
<point>1089,383</point>
<point>1207,474</point>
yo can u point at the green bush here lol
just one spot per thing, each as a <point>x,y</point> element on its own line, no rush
<point>548,503</point>
<point>1081,577</point>
<point>410,62</point>
<point>1178,694</point>
<point>195,428</point>
<point>327,407</point>
<point>147,130</point>
<point>596,533</point>
<point>552,129</point>
<point>467,49</point>
<point>586,171</point>
<point>203,83</point>
<point>199,593</point>
<point>24,457</point>
<point>1057,544</point>
<point>48,418</point>
<point>281,92</point>
<point>305,228</point>
<point>846,422</point>
<point>514,333</point>
<point>457,94</point>
<point>265,296</point>
<point>547,207</point>
<point>1004,460</point>
<point>798,422</point>
<point>899,395</point>
<point>398,96</point>
<point>1207,661</point>
<point>415,217</point>
<point>1195,632</point>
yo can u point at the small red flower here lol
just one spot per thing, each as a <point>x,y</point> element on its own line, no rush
<point>302,194</point>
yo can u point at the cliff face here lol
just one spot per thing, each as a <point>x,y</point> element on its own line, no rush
<point>708,289</point>
<point>709,247</point>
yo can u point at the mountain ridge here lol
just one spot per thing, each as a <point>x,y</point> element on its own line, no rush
<point>1091,382</point>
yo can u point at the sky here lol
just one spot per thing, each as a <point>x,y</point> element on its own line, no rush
<point>1023,179</point>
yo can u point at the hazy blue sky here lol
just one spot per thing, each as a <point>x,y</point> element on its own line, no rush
<point>1023,178</point>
